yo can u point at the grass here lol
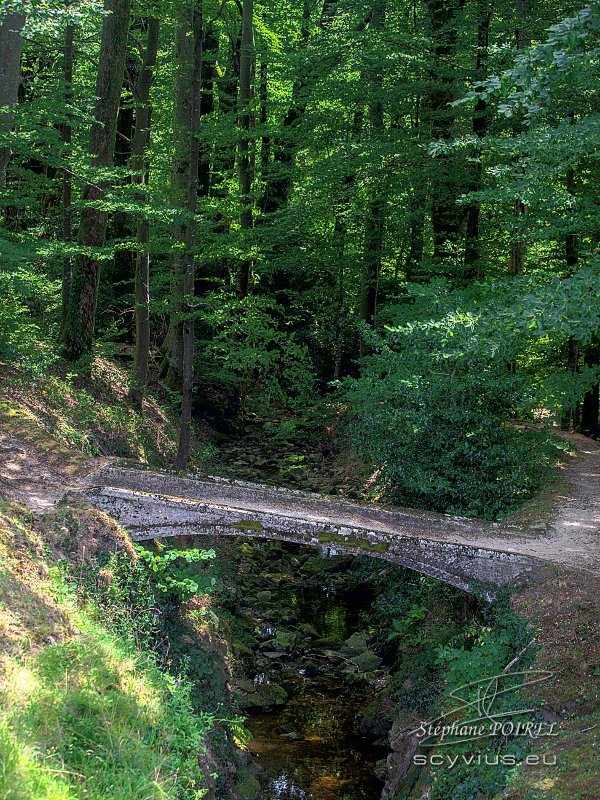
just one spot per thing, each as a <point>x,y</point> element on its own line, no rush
<point>91,413</point>
<point>83,712</point>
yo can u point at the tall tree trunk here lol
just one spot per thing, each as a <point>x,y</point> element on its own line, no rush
<point>416,244</point>
<point>518,247</point>
<point>67,212</point>
<point>374,223</point>
<point>340,231</point>
<point>142,263</point>
<point>591,402</point>
<point>11,46</point>
<point>81,315</point>
<point>121,227</point>
<point>571,417</point>
<point>172,367</point>
<point>185,432</point>
<point>480,124</point>
<point>339,238</point>
<point>210,48</point>
<point>265,146</point>
<point>245,176</point>
<point>447,217</point>
<point>278,176</point>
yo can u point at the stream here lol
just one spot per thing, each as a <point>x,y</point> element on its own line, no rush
<point>310,749</point>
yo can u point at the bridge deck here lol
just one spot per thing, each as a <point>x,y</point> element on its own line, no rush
<point>453,549</point>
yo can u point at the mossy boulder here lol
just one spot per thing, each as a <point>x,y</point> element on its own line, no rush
<point>355,644</point>
<point>247,787</point>
<point>315,566</point>
<point>264,697</point>
<point>308,630</point>
<point>366,662</point>
<point>327,643</point>
<point>283,640</point>
<point>377,718</point>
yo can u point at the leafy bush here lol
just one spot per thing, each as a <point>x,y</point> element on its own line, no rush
<point>245,345</point>
<point>435,406</point>
<point>172,571</point>
<point>484,650</point>
<point>127,593</point>
<point>27,300</point>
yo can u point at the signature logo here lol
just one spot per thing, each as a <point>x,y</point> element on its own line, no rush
<point>481,711</point>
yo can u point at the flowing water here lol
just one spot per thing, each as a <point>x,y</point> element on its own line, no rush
<point>309,750</point>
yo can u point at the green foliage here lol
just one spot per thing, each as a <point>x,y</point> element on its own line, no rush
<point>245,347</point>
<point>90,413</point>
<point>128,594</point>
<point>471,663</point>
<point>414,615</point>
<point>90,712</point>
<point>28,302</point>
<point>435,405</point>
<point>172,571</point>
<point>94,718</point>
<point>402,627</point>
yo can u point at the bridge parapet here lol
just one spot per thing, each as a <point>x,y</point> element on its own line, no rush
<point>151,504</point>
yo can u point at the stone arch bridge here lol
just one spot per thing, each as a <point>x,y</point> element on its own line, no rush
<point>456,550</point>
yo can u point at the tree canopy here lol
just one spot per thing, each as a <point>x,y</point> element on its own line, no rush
<point>390,205</point>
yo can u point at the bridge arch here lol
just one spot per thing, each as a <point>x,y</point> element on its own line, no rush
<point>151,505</point>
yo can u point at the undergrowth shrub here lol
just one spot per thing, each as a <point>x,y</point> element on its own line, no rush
<point>128,595</point>
<point>484,683</point>
<point>249,348</point>
<point>434,412</point>
<point>28,304</point>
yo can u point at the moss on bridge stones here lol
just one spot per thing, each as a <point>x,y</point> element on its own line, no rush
<point>352,541</point>
<point>248,525</point>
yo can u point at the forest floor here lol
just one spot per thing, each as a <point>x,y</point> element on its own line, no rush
<point>561,602</point>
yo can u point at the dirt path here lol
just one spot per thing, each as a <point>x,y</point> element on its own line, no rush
<point>35,472</point>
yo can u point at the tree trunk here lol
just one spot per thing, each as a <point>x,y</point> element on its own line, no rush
<point>11,46</point>
<point>591,401</point>
<point>278,176</point>
<point>339,237</point>
<point>374,223</point>
<point>81,314</point>
<point>121,226</point>
<point>210,48</point>
<point>265,146</point>
<point>172,367</point>
<point>244,160</point>
<point>67,212</point>
<point>480,123</point>
<point>416,243</point>
<point>571,415</point>
<point>447,218</point>
<point>142,264</point>
<point>185,433</point>
<point>518,247</point>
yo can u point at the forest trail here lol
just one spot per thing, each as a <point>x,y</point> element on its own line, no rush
<point>566,531</point>
<point>35,472</point>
